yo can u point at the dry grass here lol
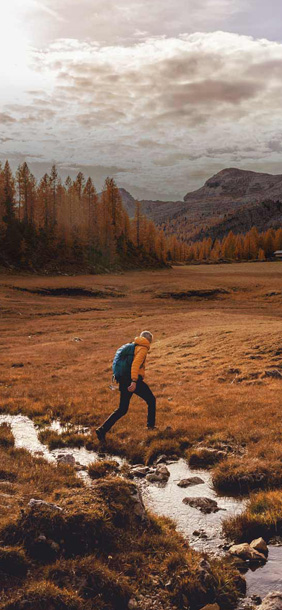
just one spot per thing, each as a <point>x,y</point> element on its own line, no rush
<point>102,468</point>
<point>207,363</point>
<point>54,440</point>
<point>96,551</point>
<point>207,368</point>
<point>6,436</point>
<point>242,476</point>
<point>262,517</point>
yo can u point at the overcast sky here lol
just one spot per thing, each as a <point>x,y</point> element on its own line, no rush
<point>159,94</point>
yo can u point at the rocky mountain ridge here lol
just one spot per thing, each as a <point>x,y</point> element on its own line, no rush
<point>233,199</point>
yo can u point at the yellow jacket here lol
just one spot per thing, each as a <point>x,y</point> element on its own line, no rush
<point>142,347</point>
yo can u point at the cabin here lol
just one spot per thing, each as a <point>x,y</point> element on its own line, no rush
<point>278,254</point>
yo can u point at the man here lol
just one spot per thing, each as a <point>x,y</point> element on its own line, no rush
<point>133,385</point>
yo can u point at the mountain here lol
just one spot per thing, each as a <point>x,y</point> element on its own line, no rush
<point>158,211</point>
<point>234,199</point>
<point>237,186</point>
<point>128,201</point>
<point>263,215</point>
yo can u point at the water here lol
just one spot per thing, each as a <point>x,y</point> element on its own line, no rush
<point>166,500</point>
<point>26,437</point>
<point>268,577</point>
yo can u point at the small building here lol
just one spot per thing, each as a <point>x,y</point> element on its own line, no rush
<point>278,254</point>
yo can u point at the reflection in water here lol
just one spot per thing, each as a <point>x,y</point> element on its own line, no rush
<point>268,577</point>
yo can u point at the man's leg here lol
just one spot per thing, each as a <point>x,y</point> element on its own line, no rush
<point>125,397</point>
<point>143,390</point>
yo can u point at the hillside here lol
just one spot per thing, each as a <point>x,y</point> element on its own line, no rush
<point>233,199</point>
<point>159,211</point>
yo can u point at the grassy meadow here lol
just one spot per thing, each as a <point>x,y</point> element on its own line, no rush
<point>210,366</point>
<point>214,367</point>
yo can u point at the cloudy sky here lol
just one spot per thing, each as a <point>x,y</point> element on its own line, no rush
<point>159,94</point>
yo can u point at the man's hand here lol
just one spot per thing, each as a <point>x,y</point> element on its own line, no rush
<point>132,387</point>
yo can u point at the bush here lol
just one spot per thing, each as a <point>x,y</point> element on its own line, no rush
<point>103,468</point>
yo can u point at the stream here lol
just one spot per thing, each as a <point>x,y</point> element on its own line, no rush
<point>203,531</point>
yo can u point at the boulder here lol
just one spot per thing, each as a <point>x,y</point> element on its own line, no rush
<point>66,458</point>
<point>205,505</point>
<point>139,508</point>
<point>155,478</point>
<point>191,481</point>
<point>163,470</point>
<point>247,553</point>
<point>260,545</point>
<point>139,471</point>
<point>273,601</point>
<point>161,475</point>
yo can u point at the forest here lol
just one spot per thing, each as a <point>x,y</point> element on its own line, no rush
<point>250,246</point>
<point>54,227</point>
<point>49,226</point>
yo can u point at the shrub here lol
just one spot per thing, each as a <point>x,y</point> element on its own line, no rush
<point>103,468</point>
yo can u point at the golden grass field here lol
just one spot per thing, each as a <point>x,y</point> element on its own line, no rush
<point>207,364</point>
<point>211,367</point>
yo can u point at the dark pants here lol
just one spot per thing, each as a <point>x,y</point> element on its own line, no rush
<point>142,390</point>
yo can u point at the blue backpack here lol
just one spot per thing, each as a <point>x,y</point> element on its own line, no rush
<point>123,360</point>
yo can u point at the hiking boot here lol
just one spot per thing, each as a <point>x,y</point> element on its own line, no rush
<point>101,435</point>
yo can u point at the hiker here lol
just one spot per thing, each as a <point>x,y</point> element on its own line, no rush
<point>129,372</point>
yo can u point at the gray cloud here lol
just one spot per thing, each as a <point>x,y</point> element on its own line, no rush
<point>146,85</point>
<point>122,92</point>
<point>125,21</point>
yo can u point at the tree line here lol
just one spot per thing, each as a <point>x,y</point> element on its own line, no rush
<point>250,246</point>
<point>50,225</point>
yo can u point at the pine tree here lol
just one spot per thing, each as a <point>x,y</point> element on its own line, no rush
<point>269,243</point>
<point>261,255</point>
<point>54,183</point>
<point>138,222</point>
<point>26,189</point>
<point>278,240</point>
